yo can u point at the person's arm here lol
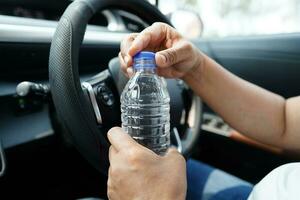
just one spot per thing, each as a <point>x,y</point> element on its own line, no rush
<point>254,111</point>
<point>136,172</point>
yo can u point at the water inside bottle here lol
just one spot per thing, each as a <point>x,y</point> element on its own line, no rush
<point>145,105</point>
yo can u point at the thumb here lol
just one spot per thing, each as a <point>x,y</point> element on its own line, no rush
<point>120,139</point>
<point>177,53</point>
<point>166,58</point>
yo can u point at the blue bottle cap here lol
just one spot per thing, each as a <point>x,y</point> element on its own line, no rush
<point>144,55</point>
<point>144,59</point>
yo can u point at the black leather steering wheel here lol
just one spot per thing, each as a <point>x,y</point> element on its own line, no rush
<point>89,109</point>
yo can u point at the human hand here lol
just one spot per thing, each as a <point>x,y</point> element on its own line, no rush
<point>175,57</point>
<point>136,172</point>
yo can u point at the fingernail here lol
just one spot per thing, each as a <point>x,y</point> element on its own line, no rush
<point>162,57</point>
<point>126,59</point>
<point>130,71</point>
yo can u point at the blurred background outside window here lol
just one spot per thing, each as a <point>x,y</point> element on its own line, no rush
<point>223,18</point>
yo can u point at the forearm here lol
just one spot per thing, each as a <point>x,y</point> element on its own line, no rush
<point>253,111</point>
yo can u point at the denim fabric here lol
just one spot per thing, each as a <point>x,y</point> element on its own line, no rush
<point>208,183</point>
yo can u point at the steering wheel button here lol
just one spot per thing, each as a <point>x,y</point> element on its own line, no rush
<point>102,89</point>
<point>105,95</point>
<point>110,102</point>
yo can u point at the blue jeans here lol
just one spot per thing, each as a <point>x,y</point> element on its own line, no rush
<point>208,183</point>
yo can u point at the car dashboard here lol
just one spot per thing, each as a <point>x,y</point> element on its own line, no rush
<point>26,29</point>
<point>32,137</point>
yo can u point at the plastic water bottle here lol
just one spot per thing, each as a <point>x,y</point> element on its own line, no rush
<point>145,105</point>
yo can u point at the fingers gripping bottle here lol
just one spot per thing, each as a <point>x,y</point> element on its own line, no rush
<point>145,105</point>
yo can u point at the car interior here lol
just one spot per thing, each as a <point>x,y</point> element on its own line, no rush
<point>60,86</point>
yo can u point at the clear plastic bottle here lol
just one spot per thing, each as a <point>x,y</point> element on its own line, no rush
<point>145,105</point>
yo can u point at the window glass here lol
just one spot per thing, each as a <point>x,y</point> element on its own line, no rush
<point>241,17</point>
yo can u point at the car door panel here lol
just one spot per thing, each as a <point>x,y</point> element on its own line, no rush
<point>272,62</point>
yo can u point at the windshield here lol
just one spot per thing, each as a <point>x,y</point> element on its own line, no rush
<point>241,17</point>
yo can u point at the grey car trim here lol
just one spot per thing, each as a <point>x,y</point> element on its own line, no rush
<point>92,96</point>
<point>41,31</point>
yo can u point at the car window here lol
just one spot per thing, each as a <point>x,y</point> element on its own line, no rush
<point>223,18</point>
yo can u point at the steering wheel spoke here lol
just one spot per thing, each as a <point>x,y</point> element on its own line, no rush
<point>104,99</point>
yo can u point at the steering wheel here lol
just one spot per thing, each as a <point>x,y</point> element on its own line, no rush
<point>87,110</point>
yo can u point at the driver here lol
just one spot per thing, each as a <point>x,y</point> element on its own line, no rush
<point>137,173</point>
